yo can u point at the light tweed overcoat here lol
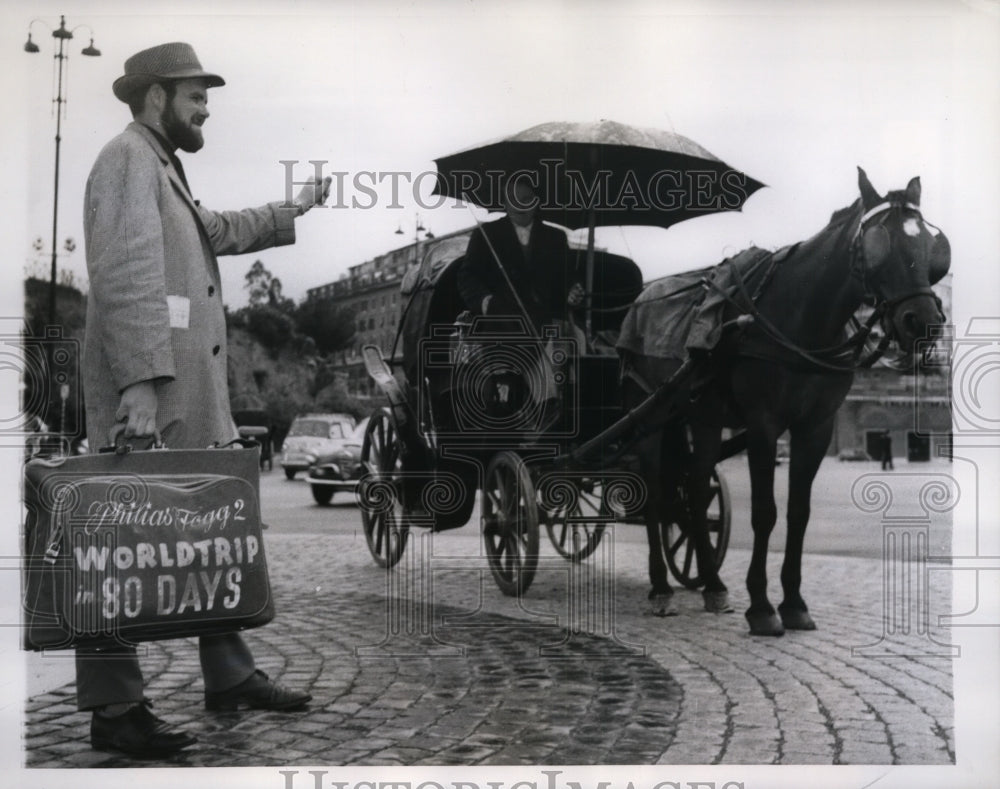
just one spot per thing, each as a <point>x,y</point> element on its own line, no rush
<point>154,310</point>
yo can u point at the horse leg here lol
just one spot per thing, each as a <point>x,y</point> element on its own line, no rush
<point>661,602</point>
<point>808,447</point>
<point>761,452</point>
<point>707,442</point>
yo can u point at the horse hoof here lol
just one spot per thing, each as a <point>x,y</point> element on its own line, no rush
<point>796,619</point>
<point>765,624</point>
<point>717,602</point>
<point>662,605</point>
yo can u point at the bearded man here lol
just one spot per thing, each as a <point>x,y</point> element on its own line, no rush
<point>155,351</point>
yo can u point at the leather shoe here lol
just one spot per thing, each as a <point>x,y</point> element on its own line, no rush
<point>137,732</point>
<point>257,692</point>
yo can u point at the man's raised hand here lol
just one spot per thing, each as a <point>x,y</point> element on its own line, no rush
<point>314,193</point>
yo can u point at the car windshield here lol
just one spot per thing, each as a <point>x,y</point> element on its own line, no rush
<point>316,428</point>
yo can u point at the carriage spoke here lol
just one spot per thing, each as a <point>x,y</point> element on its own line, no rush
<point>715,511</point>
<point>379,530</point>
<point>510,554</point>
<point>575,528</point>
<point>383,524</point>
<point>493,498</point>
<point>509,495</point>
<point>681,539</point>
<point>510,522</point>
<point>688,556</point>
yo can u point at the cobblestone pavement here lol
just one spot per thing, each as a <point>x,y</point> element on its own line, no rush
<point>430,664</point>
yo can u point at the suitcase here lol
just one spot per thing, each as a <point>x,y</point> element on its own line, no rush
<point>124,547</point>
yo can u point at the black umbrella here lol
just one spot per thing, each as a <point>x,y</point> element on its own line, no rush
<point>604,173</point>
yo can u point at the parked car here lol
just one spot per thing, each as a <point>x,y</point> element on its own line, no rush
<point>255,424</point>
<point>853,453</point>
<point>310,436</point>
<point>339,468</point>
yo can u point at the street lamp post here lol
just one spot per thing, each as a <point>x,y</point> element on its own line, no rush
<point>62,35</point>
<point>418,228</point>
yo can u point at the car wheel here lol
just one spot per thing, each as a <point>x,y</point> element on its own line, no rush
<point>322,494</point>
<point>289,473</point>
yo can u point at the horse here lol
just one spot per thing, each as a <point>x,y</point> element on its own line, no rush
<point>787,364</point>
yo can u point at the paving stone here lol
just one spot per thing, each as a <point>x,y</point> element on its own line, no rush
<point>865,753</point>
<point>702,691</point>
<point>806,757</point>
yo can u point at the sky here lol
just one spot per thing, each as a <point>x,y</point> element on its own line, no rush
<point>795,98</point>
<point>795,94</point>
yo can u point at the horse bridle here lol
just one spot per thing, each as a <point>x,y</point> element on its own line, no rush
<point>883,307</point>
<point>859,267</point>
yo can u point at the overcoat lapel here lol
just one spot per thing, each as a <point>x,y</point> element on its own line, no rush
<point>174,177</point>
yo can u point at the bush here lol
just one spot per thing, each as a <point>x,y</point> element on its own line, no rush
<point>330,327</point>
<point>271,327</point>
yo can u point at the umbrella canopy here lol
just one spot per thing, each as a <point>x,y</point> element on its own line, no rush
<point>602,173</point>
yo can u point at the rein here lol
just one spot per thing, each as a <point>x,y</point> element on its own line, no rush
<point>856,340</point>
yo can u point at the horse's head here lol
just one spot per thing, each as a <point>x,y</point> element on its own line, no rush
<point>899,256</point>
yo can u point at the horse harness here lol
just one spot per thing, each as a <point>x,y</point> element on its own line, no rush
<point>859,266</point>
<point>824,358</point>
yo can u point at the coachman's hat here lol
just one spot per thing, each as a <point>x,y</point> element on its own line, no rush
<point>163,62</point>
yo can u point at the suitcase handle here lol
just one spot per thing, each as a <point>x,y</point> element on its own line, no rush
<point>118,445</point>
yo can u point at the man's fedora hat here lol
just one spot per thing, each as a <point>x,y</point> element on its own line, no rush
<point>160,63</point>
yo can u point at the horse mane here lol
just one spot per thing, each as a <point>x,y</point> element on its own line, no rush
<point>842,215</point>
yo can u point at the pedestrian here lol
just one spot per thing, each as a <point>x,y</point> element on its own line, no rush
<point>155,350</point>
<point>887,451</point>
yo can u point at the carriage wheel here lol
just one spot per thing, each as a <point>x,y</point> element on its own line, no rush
<point>576,528</point>
<point>680,551</point>
<point>510,523</point>
<point>385,529</point>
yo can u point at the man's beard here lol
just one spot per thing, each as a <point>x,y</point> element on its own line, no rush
<point>181,135</point>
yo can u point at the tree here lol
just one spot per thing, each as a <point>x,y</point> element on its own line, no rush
<point>271,327</point>
<point>52,355</point>
<point>258,283</point>
<point>265,289</point>
<point>331,327</point>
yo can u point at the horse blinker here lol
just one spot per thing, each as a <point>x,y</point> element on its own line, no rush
<point>875,246</point>
<point>940,258</point>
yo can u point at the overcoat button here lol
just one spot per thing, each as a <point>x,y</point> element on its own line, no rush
<point>216,349</point>
<point>211,290</point>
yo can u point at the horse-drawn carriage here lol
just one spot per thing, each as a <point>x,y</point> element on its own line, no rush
<point>769,346</point>
<point>460,420</point>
